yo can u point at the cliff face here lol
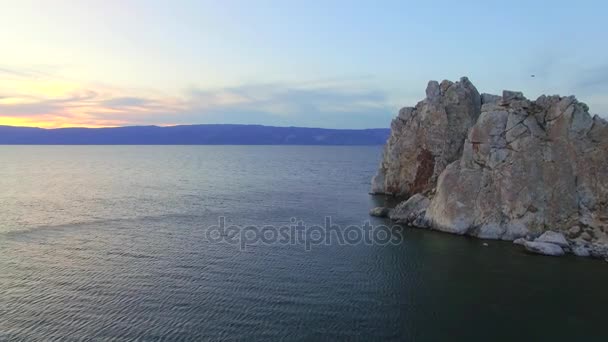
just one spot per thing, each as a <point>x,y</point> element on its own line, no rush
<point>523,167</point>
<point>426,138</point>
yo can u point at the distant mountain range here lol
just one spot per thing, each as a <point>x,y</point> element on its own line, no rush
<point>192,135</point>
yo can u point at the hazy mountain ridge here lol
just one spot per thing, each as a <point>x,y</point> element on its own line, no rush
<point>213,134</point>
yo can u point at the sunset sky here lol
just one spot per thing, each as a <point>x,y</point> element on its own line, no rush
<point>337,64</point>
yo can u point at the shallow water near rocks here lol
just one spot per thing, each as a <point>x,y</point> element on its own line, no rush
<point>108,243</point>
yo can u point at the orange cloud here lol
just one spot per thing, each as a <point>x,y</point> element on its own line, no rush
<point>29,98</point>
<point>43,101</point>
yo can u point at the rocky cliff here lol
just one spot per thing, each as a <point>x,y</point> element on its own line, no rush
<point>426,138</point>
<point>500,167</point>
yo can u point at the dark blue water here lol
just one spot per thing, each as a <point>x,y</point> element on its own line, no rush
<point>109,243</point>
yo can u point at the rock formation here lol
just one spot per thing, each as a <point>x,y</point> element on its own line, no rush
<point>501,167</point>
<point>426,138</point>
<point>411,212</point>
<point>380,212</point>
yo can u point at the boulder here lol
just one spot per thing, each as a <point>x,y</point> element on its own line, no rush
<point>553,237</point>
<point>544,248</point>
<point>574,232</point>
<point>520,241</point>
<point>599,251</point>
<point>380,212</point>
<point>580,250</point>
<point>412,211</point>
<point>586,236</point>
<point>508,96</point>
<point>490,99</point>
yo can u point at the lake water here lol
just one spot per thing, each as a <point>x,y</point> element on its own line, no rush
<point>110,243</point>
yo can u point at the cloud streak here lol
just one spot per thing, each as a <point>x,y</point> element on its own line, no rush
<point>39,101</point>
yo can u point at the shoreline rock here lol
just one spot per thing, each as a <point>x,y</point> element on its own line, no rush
<point>544,248</point>
<point>380,212</point>
<point>581,251</point>
<point>501,167</point>
<point>411,212</point>
<point>554,238</point>
<point>520,241</point>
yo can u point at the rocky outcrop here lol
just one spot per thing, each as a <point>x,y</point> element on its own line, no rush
<point>426,138</point>
<point>380,212</point>
<point>411,212</point>
<point>544,248</point>
<point>581,251</point>
<point>522,168</point>
<point>554,238</point>
<point>549,243</point>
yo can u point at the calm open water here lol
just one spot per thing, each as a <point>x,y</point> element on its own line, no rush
<point>108,243</point>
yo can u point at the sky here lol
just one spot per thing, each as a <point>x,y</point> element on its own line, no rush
<point>334,64</point>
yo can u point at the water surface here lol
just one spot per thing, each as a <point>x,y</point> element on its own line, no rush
<point>108,243</point>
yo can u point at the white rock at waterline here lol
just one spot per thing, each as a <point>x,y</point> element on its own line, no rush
<point>519,241</point>
<point>380,212</point>
<point>581,251</point>
<point>411,211</point>
<point>554,238</point>
<point>544,248</point>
